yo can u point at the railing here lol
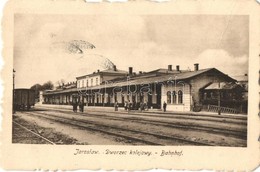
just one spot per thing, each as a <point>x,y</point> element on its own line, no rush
<point>213,108</point>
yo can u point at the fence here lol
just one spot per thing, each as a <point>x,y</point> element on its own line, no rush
<point>213,108</point>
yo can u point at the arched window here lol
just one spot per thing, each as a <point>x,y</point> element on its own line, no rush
<point>115,97</point>
<point>169,97</point>
<point>174,97</point>
<point>180,95</point>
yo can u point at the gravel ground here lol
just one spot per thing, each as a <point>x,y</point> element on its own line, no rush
<point>65,134</point>
<point>21,135</point>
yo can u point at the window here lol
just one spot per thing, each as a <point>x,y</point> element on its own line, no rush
<point>115,97</point>
<point>91,84</point>
<point>208,95</point>
<point>222,95</point>
<point>169,97</point>
<point>211,95</point>
<point>97,96</point>
<point>133,97</point>
<point>205,96</point>
<point>96,81</point>
<point>180,97</point>
<point>78,84</point>
<point>87,83</point>
<point>83,83</point>
<point>174,97</point>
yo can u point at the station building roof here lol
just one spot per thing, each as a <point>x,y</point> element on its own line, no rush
<point>125,81</point>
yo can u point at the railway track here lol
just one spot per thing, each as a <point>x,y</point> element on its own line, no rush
<point>213,118</point>
<point>130,134</point>
<point>34,133</point>
<point>212,130</point>
<point>190,126</point>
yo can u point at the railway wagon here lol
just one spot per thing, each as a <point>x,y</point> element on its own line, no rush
<point>24,99</point>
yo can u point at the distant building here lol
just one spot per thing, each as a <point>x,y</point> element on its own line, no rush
<point>99,77</point>
<point>66,86</point>
<point>180,89</point>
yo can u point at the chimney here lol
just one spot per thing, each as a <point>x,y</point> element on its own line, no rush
<point>140,72</point>
<point>169,67</point>
<point>130,70</point>
<point>98,71</point>
<point>114,67</point>
<point>178,68</point>
<point>196,66</point>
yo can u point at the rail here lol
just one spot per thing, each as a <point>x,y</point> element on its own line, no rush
<point>34,133</point>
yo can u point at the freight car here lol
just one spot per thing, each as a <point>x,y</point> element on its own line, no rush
<point>24,99</point>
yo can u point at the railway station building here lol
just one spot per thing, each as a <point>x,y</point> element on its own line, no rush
<point>180,89</point>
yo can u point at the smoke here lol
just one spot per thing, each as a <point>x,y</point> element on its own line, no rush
<point>78,58</point>
<point>72,47</point>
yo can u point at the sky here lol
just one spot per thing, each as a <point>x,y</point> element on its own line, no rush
<point>144,42</point>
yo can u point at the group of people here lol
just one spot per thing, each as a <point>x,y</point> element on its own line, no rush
<point>76,104</point>
<point>136,106</point>
<point>127,105</point>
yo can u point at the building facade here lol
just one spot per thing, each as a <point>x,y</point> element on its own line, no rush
<point>180,89</point>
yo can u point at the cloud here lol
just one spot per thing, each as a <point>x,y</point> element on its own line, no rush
<point>143,42</point>
<point>223,61</point>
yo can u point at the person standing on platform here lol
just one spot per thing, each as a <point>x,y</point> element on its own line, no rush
<point>75,106</point>
<point>141,106</point>
<point>125,105</point>
<point>116,106</point>
<point>145,106</point>
<point>81,106</point>
<point>164,106</point>
<point>129,106</point>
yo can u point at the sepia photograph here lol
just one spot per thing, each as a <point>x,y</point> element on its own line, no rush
<point>130,86</point>
<point>162,80</point>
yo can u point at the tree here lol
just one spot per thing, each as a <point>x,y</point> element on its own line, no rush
<point>47,86</point>
<point>37,88</point>
<point>60,83</point>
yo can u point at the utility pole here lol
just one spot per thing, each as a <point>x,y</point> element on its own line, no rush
<point>219,97</point>
<point>13,90</point>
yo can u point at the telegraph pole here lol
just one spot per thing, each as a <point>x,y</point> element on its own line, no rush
<point>13,90</point>
<point>219,97</point>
